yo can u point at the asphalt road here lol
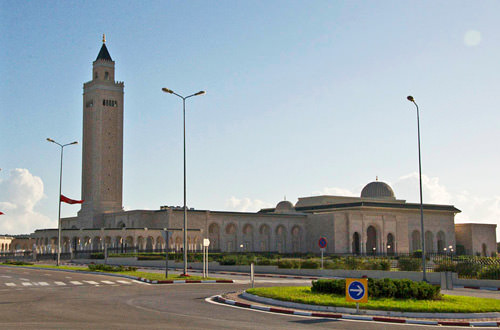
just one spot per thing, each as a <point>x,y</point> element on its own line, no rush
<point>62,300</point>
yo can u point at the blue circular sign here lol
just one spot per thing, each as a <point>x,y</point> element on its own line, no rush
<point>356,290</point>
<point>322,242</point>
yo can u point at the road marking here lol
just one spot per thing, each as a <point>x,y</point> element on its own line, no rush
<point>27,284</point>
<point>91,282</point>
<point>75,282</point>
<point>10,284</point>
<point>6,276</point>
<point>43,283</point>
<point>24,279</point>
<point>108,282</point>
<point>60,283</point>
<point>124,282</point>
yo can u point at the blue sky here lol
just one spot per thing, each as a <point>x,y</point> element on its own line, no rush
<point>303,98</point>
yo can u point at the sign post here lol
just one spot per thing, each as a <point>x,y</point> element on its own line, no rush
<point>356,290</point>
<point>166,238</point>
<point>206,244</point>
<point>322,243</point>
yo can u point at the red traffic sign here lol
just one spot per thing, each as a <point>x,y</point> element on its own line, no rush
<point>322,242</point>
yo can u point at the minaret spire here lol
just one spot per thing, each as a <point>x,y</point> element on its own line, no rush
<point>103,38</point>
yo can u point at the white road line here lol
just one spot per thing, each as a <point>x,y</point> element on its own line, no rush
<point>75,282</point>
<point>24,279</point>
<point>60,283</point>
<point>6,276</point>
<point>43,283</point>
<point>108,282</point>
<point>91,282</point>
<point>10,284</point>
<point>27,284</point>
<point>124,282</point>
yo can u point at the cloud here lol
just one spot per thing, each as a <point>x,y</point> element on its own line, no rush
<point>19,194</point>
<point>335,191</point>
<point>246,204</point>
<point>472,38</point>
<point>407,187</point>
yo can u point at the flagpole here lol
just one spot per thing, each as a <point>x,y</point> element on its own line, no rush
<point>60,187</point>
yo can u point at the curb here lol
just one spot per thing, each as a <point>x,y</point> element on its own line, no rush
<point>477,287</point>
<point>141,279</point>
<point>356,317</point>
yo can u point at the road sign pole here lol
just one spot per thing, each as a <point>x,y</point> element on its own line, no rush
<point>322,258</point>
<point>357,308</point>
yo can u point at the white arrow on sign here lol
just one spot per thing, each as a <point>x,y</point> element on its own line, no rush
<point>359,289</point>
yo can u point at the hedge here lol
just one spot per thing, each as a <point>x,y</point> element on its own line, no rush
<point>383,288</point>
<point>109,268</point>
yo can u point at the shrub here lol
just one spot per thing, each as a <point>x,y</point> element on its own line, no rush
<point>17,263</point>
<point>98,255</point>
<point>263,262</point>
<point>109,268</point>
<point>228,260</point>
<point>383,288</point>
<point>410,264</point>
<point>353,263</point>
<point>288,263</point>
<point>157,257</point>
<point>376,264</point>
<point>491,272</point>
<point>466,268</point>
<point>329,286</point>
<point>445,266</point>
<point>417,254</point>
<point>310,264</point>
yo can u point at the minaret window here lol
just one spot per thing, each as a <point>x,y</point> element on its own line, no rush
<point>96,75</point>
<point>106,75</point>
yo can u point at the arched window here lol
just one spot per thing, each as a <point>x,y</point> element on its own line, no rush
<point>231,243</point>
<point>248,237</point>
<point>484,250</point>
<point>106,75</point>
<point>415,240</point>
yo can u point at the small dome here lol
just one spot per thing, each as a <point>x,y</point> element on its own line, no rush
<point>284,207</point>
<point>378,190</point>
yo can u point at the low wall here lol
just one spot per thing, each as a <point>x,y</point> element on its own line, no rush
<point>432,277</point>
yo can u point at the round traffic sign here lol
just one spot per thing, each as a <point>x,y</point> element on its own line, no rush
<point>322,242</point>
<point>356,290</point>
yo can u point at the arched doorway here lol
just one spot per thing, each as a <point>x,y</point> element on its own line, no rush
<point>356,249</point>
<point>415,241</point>
<point>390,244</point>
<point>371,240</point>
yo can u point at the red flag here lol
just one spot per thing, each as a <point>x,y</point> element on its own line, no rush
<point>69,200</point>
<point>1,213</point>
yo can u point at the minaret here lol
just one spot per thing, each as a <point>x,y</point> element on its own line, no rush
<point>102,154</point>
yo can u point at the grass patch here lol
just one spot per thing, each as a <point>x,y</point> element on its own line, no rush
<point>447,303</point>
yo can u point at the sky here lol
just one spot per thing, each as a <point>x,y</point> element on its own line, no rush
<point>303,98</point>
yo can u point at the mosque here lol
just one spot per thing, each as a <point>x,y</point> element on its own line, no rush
<point>376,222</point>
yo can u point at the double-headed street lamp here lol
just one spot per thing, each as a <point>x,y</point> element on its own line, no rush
<point>411,99</point>
<point>60,186</point>
<point>166,90</point>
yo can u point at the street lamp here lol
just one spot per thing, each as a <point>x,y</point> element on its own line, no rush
<point>411,99</point>
<point>166,90</point>
<point>60,185</point>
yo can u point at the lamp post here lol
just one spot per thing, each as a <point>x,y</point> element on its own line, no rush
<point>411,99</point>
<point>60,186</point>
<point>166,90</point>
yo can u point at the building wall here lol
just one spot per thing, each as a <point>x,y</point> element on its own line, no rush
<point>478,239</point>
<point>5,243</point>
